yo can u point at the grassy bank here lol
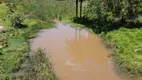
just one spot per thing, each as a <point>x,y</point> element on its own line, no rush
<point>15,61</point>
<point>127,48</point>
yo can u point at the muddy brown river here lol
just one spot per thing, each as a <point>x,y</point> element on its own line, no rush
<point>76,53</point>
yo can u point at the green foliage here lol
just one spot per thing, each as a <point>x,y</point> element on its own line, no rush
<point>18,43</point>
<point>115,10</point>
<point>38,67</point>
<point>4,18</point>
<point>12,49</point>
<point>30,22</point>
<point>93,9</point>
<point>14,44</point>
<point>12,1</point>
<point>7,66</point>
<point>127,49</point>
<point>16,19</point>
<point>49,9</point>
<point>14,52</point>
<point>108,15</point>
<point>9,17</point>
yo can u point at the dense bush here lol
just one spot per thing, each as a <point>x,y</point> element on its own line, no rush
<point>17,19</point>
<point>115,10</point>
<point>111,14</point>
<point>9,17</point>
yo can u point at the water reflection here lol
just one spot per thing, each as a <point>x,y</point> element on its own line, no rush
<point>76,53</point>
<point>85,48</point>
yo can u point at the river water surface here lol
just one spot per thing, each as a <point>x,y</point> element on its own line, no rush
<point>76,53</point>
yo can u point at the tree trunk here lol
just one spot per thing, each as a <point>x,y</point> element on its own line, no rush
<point>81,8</point>
<point>76,8</point>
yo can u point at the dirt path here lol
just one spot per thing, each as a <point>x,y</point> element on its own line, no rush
<point>76,53</point>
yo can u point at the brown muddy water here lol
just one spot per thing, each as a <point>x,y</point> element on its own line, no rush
<point>76,53</point>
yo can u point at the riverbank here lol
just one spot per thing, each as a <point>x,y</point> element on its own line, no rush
<point>126,46</point>
<point>15,61</point>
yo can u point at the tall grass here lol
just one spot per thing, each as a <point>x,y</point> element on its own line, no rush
<point>127,49</point>
<point>49,9</point>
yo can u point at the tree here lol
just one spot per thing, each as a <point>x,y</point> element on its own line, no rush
<point>76,8</point>
<point>115,10</point>
<point>81,1</point>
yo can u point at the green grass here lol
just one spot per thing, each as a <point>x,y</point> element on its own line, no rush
<point>8,65</point>
<point>127,49</point>
<point>14,54</point>
<point>38,67</point>
<point>4,19</point>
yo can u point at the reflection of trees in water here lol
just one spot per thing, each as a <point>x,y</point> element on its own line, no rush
<point>82,48</point>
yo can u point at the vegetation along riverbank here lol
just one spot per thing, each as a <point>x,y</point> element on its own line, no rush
<point>17,27</point>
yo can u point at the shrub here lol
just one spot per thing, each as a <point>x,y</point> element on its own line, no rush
<point>17,19</point>
<point>111,14</point>
<point>115,10</point>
